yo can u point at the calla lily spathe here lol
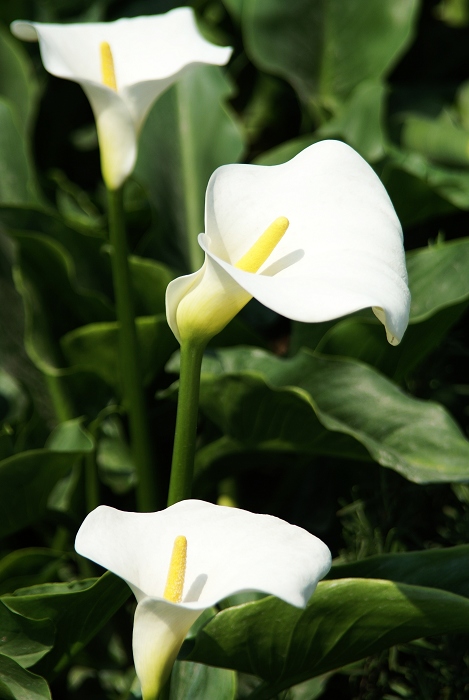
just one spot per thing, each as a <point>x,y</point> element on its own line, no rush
<point>149,54</point>
<point>228,551</point>
<point>342,250</point>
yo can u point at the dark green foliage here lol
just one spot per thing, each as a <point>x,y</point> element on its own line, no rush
<point>325,425</point>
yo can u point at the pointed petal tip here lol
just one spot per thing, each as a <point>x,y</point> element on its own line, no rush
<point>24,30</point>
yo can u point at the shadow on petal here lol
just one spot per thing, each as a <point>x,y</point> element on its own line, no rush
<point>283,263</point>
<point>197,586</point>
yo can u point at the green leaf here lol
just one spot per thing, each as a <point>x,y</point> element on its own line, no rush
<point>434,568</point>
<point>240,387</point>
<point>440,140</point>
<point>23,567</point>
<point>17,179</point>
<point>26,482</point>
<point>94,348</point>
<point>450,184</point>
<point>199,682</point>
<point>363,340</point>
<point>438,277</point>
<point>149,282</point>
<point>14,398</point>
<point>78,611</point>
<point>70,436</point>
<point>254,415</point>
<point>84,247</point>
<point>18,684</point>
<point>359,121</point>
<point>187,135</point>
<point>326,49</point>
<point>346,620</point>
<point>17,81</point>
<point>408,185</point>
<point>54,302</point>
<point>24,640</point>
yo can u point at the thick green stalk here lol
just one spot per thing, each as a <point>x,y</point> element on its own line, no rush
<point>193,213</point>
<point>60,399</point>
<point>91,482</point>
<point>182,468</point>
<point>134,399</point>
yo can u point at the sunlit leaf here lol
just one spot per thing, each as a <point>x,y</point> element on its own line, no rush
<point>78,611</point>
<point>18,684</point>
<point>24,640</point>
<point>346,620</point>
<point>418,439</point>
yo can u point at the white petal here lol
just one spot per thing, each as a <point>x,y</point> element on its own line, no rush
<point>202,304</point>
<point>116,133</point>
<point>175,292</point>
<point>159,630</point>
<point>228,550</point>
<point>149,54</point>
<point>143,48</point>
<point>343,250</point>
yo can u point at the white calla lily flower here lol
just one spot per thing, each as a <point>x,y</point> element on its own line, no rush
<point>332,246</point>
<point>211,552</point>
<point>123,67</point>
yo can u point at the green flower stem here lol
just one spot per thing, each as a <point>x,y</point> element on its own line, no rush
<point>91,482</point>
<point>60,399</point>
<point>134,399</point>
<point>182,468</point>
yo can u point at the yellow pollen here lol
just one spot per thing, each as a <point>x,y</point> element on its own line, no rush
<point>264,246</point>
<point>177,571</point>
<point>107,66</point>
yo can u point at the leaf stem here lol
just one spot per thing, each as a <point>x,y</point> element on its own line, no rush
<point>182,468</point>
<point>193,213</point>
<point>133,393</point>
<point>91,482</point>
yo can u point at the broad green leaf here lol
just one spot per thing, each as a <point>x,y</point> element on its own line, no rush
<point>325,49</point>
<point>346,620</point>
<point>70,436</point>
<point>254,415</point>
<point>54,302</point>
<point>234,7</point>
<point>441,181</point>
<point>363,340</point>
<point>241,385</point>
<point>23,567</point>
<point>440,140</point>
<point>95,348</point>
<point>78,611</point>
<point>17,81</point>
<point>14,399</point>
<point>412,194</point>
<point>84,247</point>
<point>26,482</point>
<point>199,682</point>
<point>438,277</point>
<point>188,134</point>
<point>24,640</point>
<point>18,684</point>
<point>114,458</point>
<point>149,281</point>
<point>435,568</point>
<point>17,179</point>
<point>359,121</point>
